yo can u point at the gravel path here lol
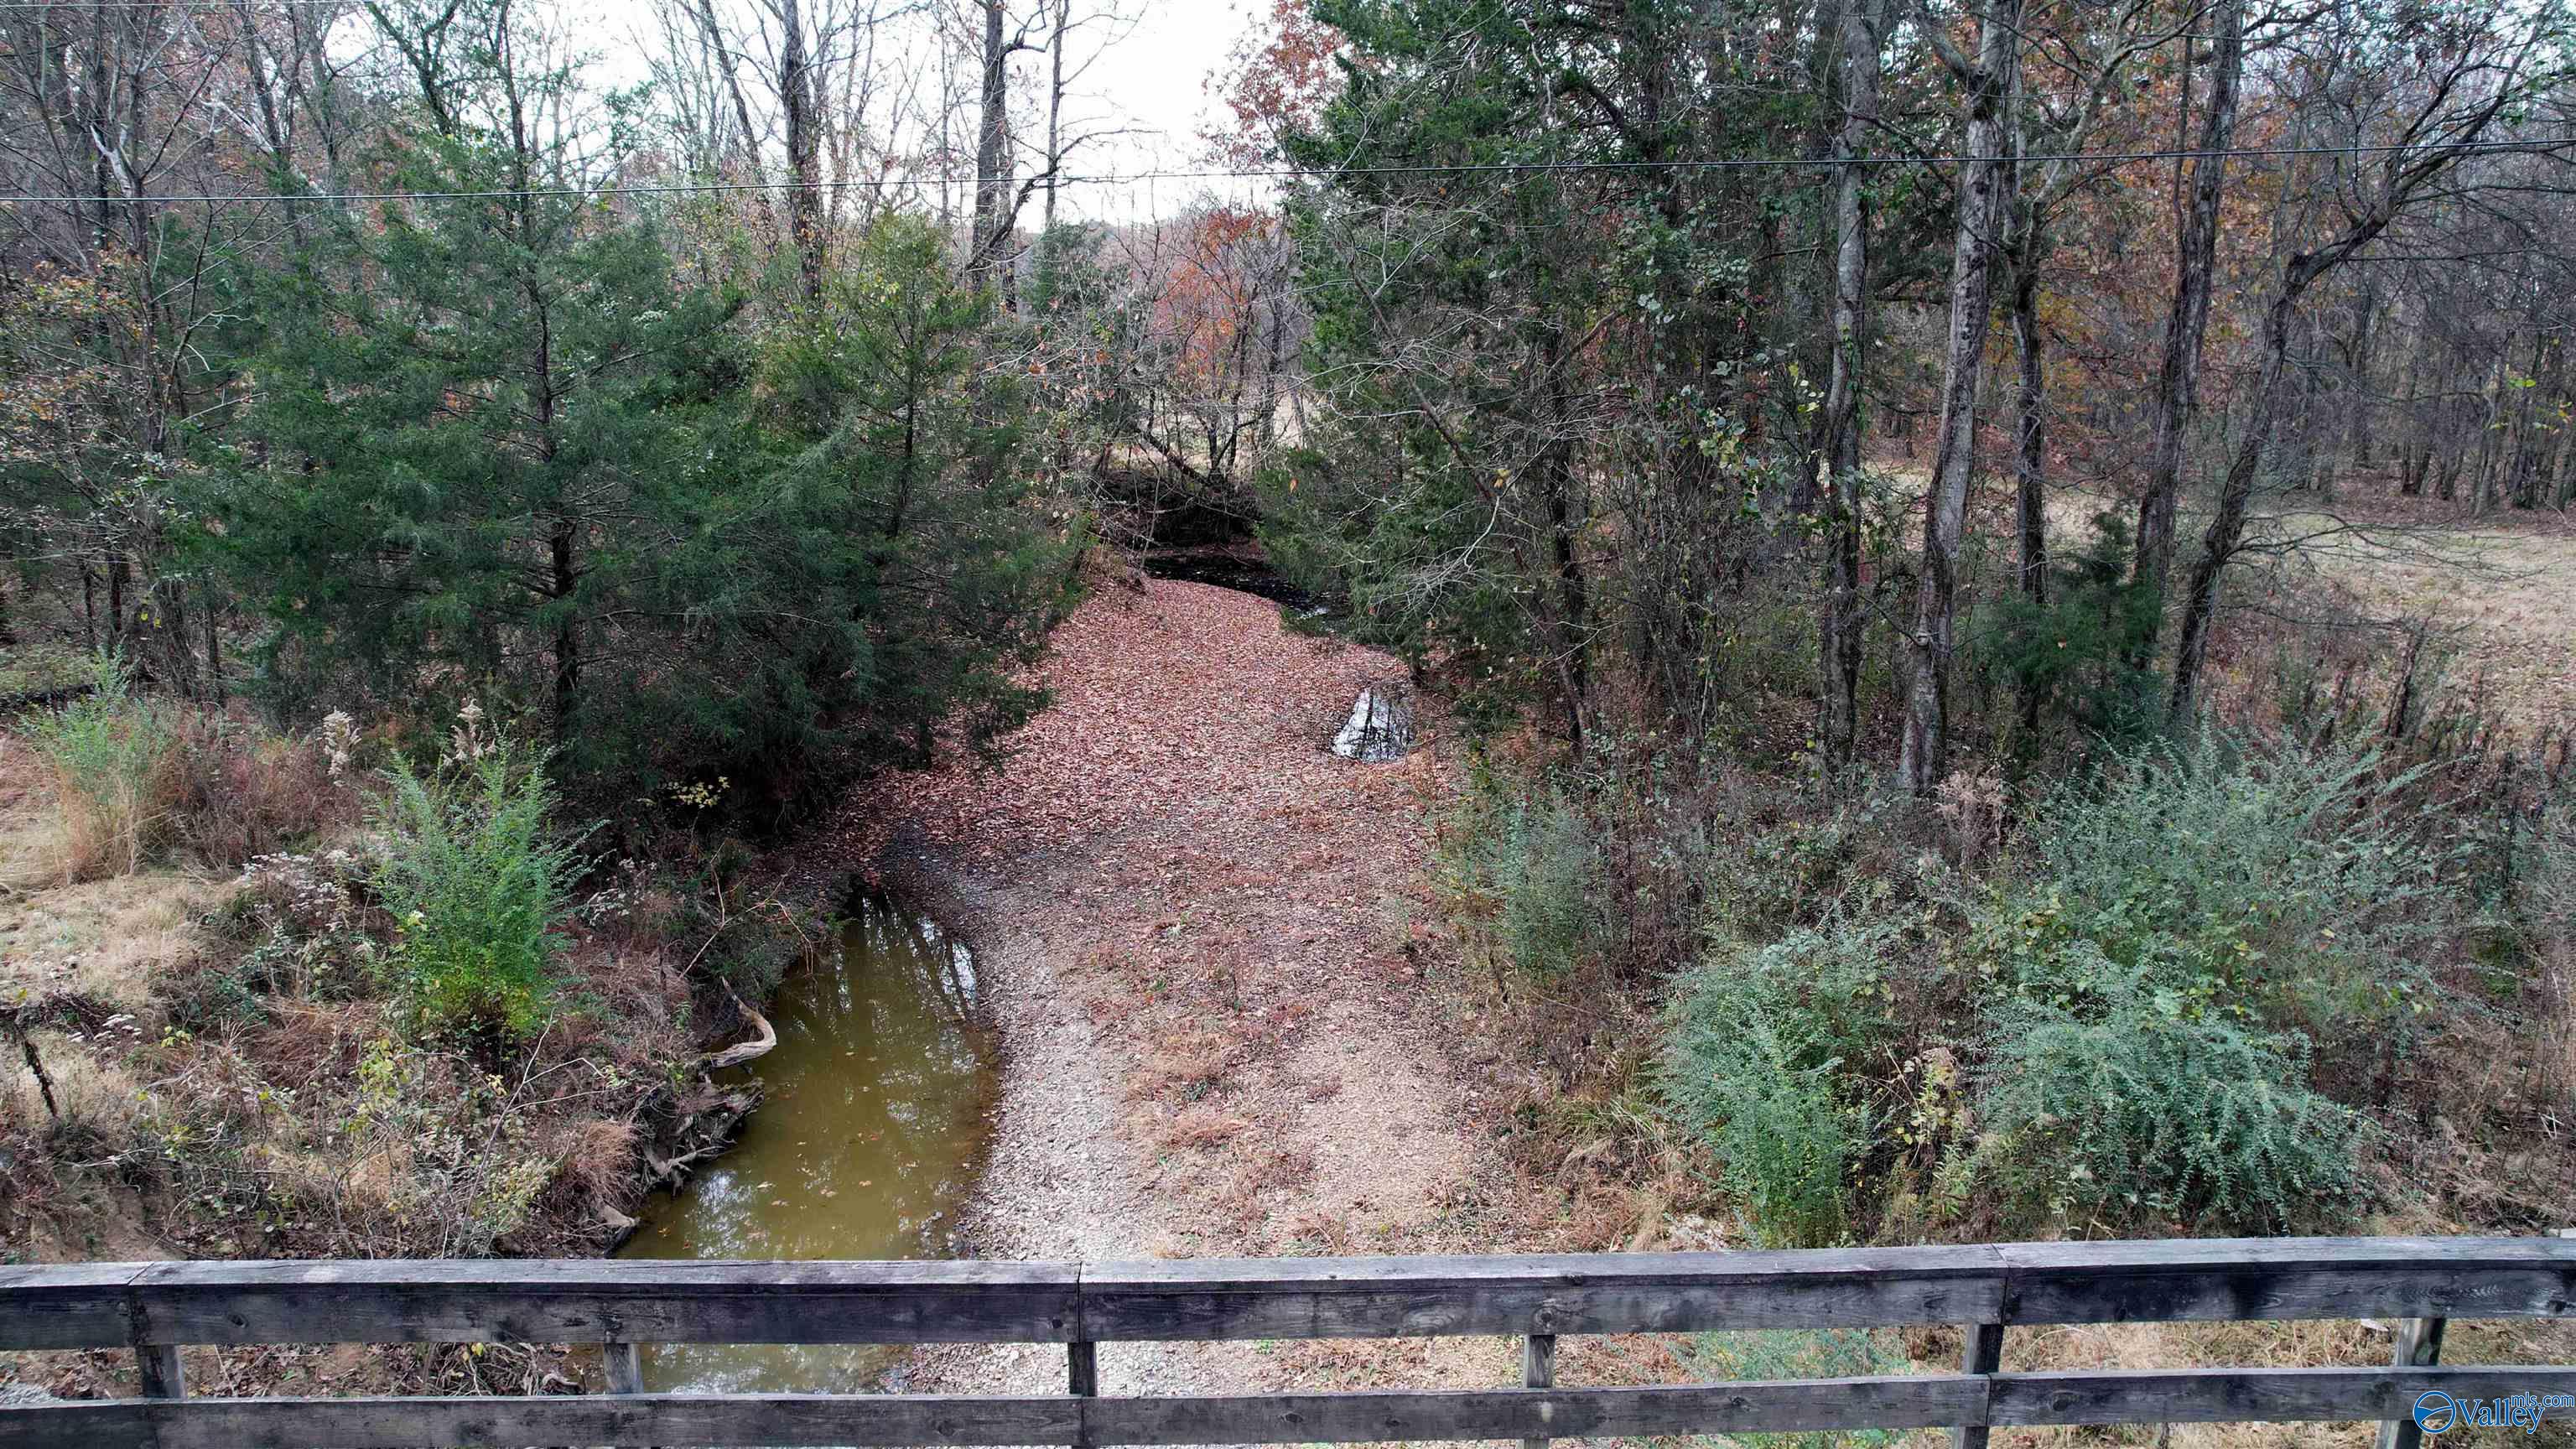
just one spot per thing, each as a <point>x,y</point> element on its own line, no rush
<point>1198,934</point>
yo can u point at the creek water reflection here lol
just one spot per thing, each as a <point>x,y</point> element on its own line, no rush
<point>866,1145</point>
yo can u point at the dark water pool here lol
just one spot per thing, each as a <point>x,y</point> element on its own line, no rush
<point>866,1145</point>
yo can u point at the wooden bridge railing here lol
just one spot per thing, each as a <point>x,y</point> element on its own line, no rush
<point>154,1308</point>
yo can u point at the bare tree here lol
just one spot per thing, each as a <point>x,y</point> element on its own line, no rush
<point>997,203</point>
<point>1863,23</point>
<point>1985,177</point>
<point>2426,98</point>
<point>2195,263</point>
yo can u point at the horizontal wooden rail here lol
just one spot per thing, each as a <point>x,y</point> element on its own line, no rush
<point>1914,1401</point>
<point>153,1308</point>
<point>101,1305</point>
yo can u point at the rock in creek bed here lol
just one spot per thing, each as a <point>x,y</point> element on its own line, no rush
<point>1380,727</point>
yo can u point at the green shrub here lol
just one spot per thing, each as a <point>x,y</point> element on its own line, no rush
<point>2284,879</point>
<point>2071,654</point>
<point>1824,1353</point>
<point>478,885</point>
<point>113,756</point>
<point>1760,1056</point>
<point>1522,863</point>
<point>2148,1110</point>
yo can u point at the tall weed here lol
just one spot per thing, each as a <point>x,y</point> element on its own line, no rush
<point>2149,1113</point>
<point>1521,863</point>
<point>245,792</point>
<point>479,886</point>
<point>1761,1057</point>
<point>113,756</point>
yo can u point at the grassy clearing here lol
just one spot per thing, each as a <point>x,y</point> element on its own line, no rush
<point>279,1033</point>
<point>2503,589</point>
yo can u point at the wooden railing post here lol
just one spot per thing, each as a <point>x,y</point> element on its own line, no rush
<point>1983,1354</point>
<point>2419,1345</point>
<point>156,1365</point>
<point>1538,1371</point>
<point>625,1367</point>
<point>159,1363</point>
<point>1082,1376</point>
<point>625,1364</point>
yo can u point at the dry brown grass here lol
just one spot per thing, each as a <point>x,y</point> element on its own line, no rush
<point>1186,1063</point>
<point>2553,1051</point>
<point>93,1091</point>
<point>242,791</point>
<point>104,939</point>
<point>1199,1128</point>
<point>112,830</point>
<point>595,1172</point>
<point>2507,584</point>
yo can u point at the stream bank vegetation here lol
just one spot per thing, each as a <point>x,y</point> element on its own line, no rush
<point>387,1006</point>
<point>1864,855</point>
<point>2002,564</point>
<point>1975,733</point>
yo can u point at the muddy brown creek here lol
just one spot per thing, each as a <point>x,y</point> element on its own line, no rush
<point>865,1146</point>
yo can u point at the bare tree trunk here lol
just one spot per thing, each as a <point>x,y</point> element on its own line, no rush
<point>2196,251</point>
<point>2227,528</point>
<point>1839,642</point>
<point>2357,371</point>
<point>1982,205</point>
<point>753,170</point>
<point>804,148</point>
<point>2030,430</point>
<point>988,260</point>
<point>1055,109</point>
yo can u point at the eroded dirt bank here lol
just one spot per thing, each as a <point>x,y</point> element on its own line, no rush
<point>1199,933</point>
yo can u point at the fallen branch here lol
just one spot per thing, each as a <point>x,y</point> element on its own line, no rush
<point>736,1055</point>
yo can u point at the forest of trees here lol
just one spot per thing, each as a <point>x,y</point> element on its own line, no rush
<point>740,422</point>
<point>1943,410</point>
<point>388,347</point>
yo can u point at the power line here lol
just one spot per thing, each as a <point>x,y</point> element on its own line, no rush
<point>1732,163</point>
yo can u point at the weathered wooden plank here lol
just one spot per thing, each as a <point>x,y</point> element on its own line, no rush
<point>2276,1278</point>
<point>594,1301</point>
<point>2417,1344</point>
<point>74,1305</point>
<point>2198,1396</point>
<point>157,1369</point>
<point>624,1364</point>
<point>590,1302</point>
<point>1981,1352</point>
<point>1537,1413</point>
<point>1545,1294</point>
<point>2164,1396</point>
<point>698,1419</point>
<point>1538,1371</point>
<point>1082,1373</point>
<point>91,1424</point>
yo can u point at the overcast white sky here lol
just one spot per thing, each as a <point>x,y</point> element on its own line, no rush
<point>1153,82</point>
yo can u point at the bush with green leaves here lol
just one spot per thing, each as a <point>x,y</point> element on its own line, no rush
<point>1520,860</point>
<point>2286,880</point>
<point>1777,1354</point>
<point>2071,655</point>
<point>2149,1110</point>
<point>479,884</point>
<point>1763,1058</point>
<point>114,758</point>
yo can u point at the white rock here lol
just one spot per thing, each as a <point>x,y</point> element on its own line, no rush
<point>1380,727</point>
